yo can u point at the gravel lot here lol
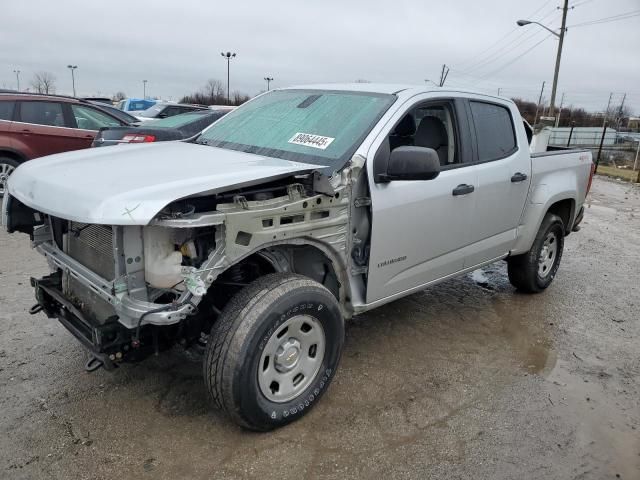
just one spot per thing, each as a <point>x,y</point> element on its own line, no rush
<point>464,380</point>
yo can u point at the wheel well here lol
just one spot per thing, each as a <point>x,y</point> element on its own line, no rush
<point>564,210</point>
<point>11,154</point>
<point>305,260</point>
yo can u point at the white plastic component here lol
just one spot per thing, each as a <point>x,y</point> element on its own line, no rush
<point>162,263</point>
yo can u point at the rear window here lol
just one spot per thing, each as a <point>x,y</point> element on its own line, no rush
<point>494,131</point>
<point>42,113</point>
<point>321,127</point>
<point>6,110</point>
<point>152,111</point>
<point>177,120</point>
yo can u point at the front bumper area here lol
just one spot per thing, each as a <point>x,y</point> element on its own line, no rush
<point>102,342</point>
<point>129,310</point>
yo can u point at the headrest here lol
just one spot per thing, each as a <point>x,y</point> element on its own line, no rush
<point>406,127</point>
<point>431,133</point>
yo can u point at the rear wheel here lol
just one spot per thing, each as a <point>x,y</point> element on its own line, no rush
<point>274,350</point>
<point>534,271</point>
<point>7,166</point>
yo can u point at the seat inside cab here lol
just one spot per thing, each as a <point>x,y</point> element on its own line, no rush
<point>429,126</point>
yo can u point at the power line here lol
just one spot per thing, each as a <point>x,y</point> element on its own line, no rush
<point>613,18</point>
<point>501,53</point>
<point>580,3</point>
<point>481,53</point>
<point>518,57</point>
<point>524,36</point>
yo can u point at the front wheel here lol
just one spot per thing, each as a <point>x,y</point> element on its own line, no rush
<point>274,350</point>
<point>7,166</point>
<point>534,271</point>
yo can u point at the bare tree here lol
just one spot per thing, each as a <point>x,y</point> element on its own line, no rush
<point>238,98</point>
<point>213,93</point>
<point>119,96</point>
<point>214,90</point>
<point>44,82</point>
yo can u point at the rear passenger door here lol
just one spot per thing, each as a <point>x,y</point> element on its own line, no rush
<point>7,107</point>
<point>42,128</point>
<point>504,171</point>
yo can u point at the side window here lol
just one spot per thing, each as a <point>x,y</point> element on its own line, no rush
<point>6,110</point>
<point>432,126</point>
<point>494,131</point>
<point>42,113</point>
<point>171,111</point>
<point>88,118</point>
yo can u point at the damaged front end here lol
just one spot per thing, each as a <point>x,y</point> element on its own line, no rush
<point>128,291</point>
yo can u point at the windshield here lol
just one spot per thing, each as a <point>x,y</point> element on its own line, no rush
<point>179,120</point>
<point>311,126</point>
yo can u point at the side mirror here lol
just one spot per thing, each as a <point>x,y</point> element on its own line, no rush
<point>411,163</point>
<point>162,115</point>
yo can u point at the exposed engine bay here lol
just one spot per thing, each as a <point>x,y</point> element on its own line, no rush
<point>128,291</point>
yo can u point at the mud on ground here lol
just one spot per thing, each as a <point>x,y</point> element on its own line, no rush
<point>467,379</point>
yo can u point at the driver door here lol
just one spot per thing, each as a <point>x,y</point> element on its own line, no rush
<point>420,228</point>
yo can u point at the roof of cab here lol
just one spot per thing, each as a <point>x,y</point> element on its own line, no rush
<point>406,90</point>
<point>388,88</point>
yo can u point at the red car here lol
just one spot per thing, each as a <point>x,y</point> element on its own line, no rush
<point>33,125</point>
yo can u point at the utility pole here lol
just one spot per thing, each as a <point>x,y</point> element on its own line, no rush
<point>269,80</point>
<point>535,119</point>
<point>606,113</point>
<point>144,89</point>
<point>560,110</point>
<point>17,72</point>
<point>228,56</point>
<point>499,91</point>
<point>73,78</point>
<point>563,30</point>
<point>624,97</point>
<point>444,74</point>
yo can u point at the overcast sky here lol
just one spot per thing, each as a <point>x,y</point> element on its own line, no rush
<point>176,45</point>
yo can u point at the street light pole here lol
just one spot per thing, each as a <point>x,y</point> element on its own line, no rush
<point>560,36</point>
<point>17,72</point>
<point>144,89</point>
<point>73,78</point>
<point>228,56</point>
<point>269,80</point>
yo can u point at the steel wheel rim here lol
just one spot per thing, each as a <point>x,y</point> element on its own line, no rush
<point>291,359</point>
<point>548,255</point>
<point>5,171</point>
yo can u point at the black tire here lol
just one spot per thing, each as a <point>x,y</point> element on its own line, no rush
<point>241,334</point>
<point>523,269</point>
<point>7,165</point>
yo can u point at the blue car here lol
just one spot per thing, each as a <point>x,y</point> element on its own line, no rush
<point>135,104</point>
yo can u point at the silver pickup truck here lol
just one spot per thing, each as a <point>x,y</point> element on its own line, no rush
<point>300,209</point>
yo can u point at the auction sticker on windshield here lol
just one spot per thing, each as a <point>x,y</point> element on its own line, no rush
<point>309,140</point>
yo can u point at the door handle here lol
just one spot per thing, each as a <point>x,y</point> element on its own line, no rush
<point>518,177</point>
<point>463,189</point>
<point>25,130</point>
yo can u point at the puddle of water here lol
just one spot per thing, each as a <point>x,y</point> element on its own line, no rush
<point>600,430</point>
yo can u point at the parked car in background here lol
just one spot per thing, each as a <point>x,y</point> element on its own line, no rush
<point>179,127</point>
<point>100,100</point>
<point>166,109</point>
<point>135,104</point>
<point>121,114</point>
<point>34,125</point>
